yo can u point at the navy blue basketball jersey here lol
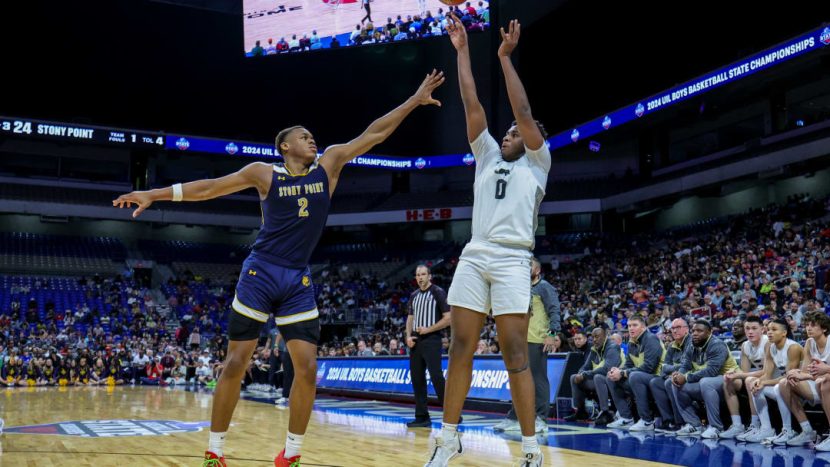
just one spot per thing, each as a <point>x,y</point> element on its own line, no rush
<point>293,216</point>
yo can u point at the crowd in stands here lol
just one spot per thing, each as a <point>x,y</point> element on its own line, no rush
<point>115,334</point>
<point>401,28</point>
<point>771,263</point>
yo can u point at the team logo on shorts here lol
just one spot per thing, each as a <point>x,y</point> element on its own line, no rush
<point>824,37</point>
<point>110,428</point>
<point>575,135</point>
<point>606,122</point>
<point>640,110</point>
<point>469,159</point>
<point>231,148</point>
<point>182,144</point>
<point>420,163</point>
<point>306,281</point>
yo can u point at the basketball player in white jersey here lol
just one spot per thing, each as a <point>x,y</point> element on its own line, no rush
<point>821,371</point>
<point>800,385</point>
<point>493,272</point>
<point>782,355</point>
<point>752,365</point>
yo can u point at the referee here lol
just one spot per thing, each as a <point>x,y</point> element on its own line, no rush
<point>428,314</point>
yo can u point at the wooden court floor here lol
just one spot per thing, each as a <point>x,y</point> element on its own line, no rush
<point>142,426</point>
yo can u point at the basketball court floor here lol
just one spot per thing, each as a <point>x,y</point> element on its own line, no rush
<point>143,426</point>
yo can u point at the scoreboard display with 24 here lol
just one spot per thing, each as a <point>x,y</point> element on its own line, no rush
<point>453,2</point>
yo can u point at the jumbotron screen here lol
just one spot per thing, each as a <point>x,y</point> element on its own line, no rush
<point>295,26</point>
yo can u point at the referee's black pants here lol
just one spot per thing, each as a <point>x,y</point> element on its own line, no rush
<point>426,356</point>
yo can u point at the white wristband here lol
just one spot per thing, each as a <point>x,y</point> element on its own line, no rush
<point>177,192</point>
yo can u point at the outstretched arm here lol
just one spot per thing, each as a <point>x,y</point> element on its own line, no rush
<point>256,175</point>
<point>476,119</point>
<point>531,135</point>
<point>337,156</point>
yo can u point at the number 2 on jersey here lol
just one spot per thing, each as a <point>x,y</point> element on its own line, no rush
<point>501,188</point>
<point>303,202</point>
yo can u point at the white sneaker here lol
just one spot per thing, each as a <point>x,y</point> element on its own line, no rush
<point>513,426</point>
<point>281,401</point>
<point>759,435</point>
<point>621,424</point>
<point>531,459</point>
<point>2,424</point>
<point>710,433</point>
<point>824,446</point>
<point>443,451</point>
<point>500,426</point>
<point>802,438</point>
<point>689,430</point>
<point>541,425</point>
<point>751,430</point>
<point>783,437</point>
<point>642,425</point>
<point>733,431</point>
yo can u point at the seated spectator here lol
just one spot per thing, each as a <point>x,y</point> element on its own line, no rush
<point>335,43</point>
<point>353,39</point>
<point>315,40</point>
<point>257,51</point>
<point>305,43</point>
<point>282,46</point>
<point>271,49</point>
<point>293,44</point>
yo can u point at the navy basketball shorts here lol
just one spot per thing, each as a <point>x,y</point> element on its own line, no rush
<point>266,288</point>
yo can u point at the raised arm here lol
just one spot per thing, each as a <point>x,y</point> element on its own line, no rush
<point>256,175</point>
<point>476,119</point>
<point>531,134</point>
<point>337,156</point>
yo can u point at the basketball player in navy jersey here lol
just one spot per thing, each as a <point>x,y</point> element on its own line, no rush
<point>275,277</point>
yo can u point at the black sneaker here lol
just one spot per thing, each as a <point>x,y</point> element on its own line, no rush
<point>420,423</point>
<point>604,418</point>
<point>577,416</point>
<point>667,429</point>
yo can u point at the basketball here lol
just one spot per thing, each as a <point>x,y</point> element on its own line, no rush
<point>453,2</point>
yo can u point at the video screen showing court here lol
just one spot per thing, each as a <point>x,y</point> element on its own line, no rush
<point>293,26</point>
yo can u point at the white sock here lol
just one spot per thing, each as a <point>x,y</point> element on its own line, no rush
<point>529,444</point>
<point>736,420</point>
<point>806,427</point>
<point>756,420</point>
<point>786,421</point>
<point>449,431</point>
<point>293,443</point>
<point>217,443</point>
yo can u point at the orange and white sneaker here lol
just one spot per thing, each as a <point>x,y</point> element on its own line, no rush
<point>212,460</point>
<point>282,461</point>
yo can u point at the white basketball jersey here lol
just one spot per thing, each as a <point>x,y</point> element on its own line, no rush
<point>780,358</point>
<point>823,355</point>
<point>507,194</point>
<point>755,354</point>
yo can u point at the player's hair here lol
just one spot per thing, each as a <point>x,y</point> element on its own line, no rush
<point>704,323</point>
<point>783,322</point>
<point>754,319</point>
<point>284,134</point>
<point>819,319</point>
<point>538,125</point>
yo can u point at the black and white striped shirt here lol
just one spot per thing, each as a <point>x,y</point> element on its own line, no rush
<point>427,307</point>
